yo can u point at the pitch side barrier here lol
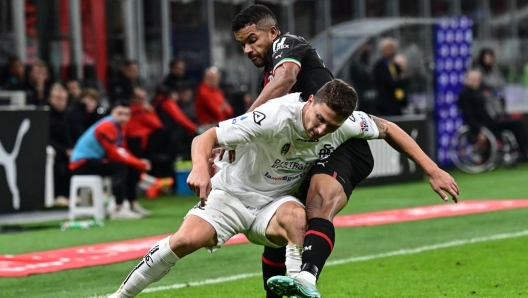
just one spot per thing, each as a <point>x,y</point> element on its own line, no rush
<point>23,141</point>
<point>389,165</point>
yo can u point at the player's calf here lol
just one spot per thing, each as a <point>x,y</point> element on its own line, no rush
<point>326,198</point>
<point>288,226</point>
<point>155,264</point>
<point>194,233</point>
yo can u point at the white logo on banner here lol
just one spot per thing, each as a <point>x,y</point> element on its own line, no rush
<point>8,161</point>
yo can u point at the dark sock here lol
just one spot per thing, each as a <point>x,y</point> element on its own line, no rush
<point>273,264</point>
<point>318,244</point>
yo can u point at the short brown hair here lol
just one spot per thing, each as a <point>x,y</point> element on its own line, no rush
<point>90,92</point>
<point>338,96</point>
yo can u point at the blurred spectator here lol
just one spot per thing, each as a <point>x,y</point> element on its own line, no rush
<point>211,104</point>
<point>74,90</point>
<point>37,86</point>
<point>177,75</point>
<point>491,75</point>
<point>170,113</point>
<point>401,61</point>
<point>142,133</point>
<point>493,83</point>
<point>16,77</point>
<point>174,121</point>
<point>183,136</point>
<point>59,140</point>
<point>128,77</point>
<point>143,119</point>
<point>362,80</point>
<point>101,151</point>
<point>186,102</point>
<point>472,103</point>
<point>83,113</point>
<point>390,81</point>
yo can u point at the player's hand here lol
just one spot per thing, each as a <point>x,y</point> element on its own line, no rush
<point>147,164</point>
<point>200,182</point>
<point>441,182</point>
<point>232,155</point>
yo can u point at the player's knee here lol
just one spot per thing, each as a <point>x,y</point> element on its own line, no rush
<point>298,218</point>
<point>291,213</point>
<point>325,201</point>
<point>183,245</point>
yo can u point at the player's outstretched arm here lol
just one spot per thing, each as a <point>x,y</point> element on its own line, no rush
<point>398,139</point>
<point>199,179</point>
<point>284,78</point>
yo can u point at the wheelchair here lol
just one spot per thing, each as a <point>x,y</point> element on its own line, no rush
<point>468,157</point>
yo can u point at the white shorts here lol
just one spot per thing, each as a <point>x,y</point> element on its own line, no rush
<point>228,216</point>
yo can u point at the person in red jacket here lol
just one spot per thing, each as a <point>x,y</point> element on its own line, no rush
<point>143,119</point>
<point>101,151</point>
<point>174,120</point>
<point>141,132</point>
<point>211,104</point>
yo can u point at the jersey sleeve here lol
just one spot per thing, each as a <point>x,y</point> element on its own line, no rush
<point>261,124</point>
<point>360,126</point>
<point>288,49</point>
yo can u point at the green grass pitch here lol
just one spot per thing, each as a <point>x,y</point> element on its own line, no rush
<point>494,268</point>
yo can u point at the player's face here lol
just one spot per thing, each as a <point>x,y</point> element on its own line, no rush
<point>121,114</point>
<point>319,120</point>
<point>256,42</point>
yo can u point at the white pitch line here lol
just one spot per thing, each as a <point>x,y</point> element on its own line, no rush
<point>400,252</point>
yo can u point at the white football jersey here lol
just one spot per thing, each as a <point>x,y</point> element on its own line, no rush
<point>273,152</point>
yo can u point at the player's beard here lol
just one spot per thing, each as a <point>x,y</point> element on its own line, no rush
<point>259,62</point>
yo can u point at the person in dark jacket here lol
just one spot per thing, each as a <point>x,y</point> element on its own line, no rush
<point>83,113</point>
<point>38,84</point>
<point>390,81</point>
<point>122,88</point>
<point>177,76</point>
<point>16,79</point>
<point>472,104</point>
<point>61,143</point>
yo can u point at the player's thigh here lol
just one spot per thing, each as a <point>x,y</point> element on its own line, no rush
<point>333,179</point>
<point>226,214</point>
<point>264,217</point>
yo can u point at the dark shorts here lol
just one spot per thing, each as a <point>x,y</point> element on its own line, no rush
<point>349,164</point>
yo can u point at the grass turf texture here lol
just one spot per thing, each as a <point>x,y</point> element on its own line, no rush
<point>490,269</point>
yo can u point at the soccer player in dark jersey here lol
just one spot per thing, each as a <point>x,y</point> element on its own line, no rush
<point>292,65</point>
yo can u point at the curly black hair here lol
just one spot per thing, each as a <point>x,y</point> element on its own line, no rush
<point>258,15</point>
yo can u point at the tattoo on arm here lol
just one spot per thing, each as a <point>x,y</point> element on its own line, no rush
<point>382,125</point>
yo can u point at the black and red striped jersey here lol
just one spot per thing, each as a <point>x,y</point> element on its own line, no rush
<point>289,48</point>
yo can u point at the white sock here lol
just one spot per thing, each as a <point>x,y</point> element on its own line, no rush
<point>307,276</point>
<point>154,265</point>
<point>293,259</point>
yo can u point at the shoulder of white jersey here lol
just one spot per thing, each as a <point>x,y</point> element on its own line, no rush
<point>360,125</point>
<point>283,108</point>
<point>287,100</point>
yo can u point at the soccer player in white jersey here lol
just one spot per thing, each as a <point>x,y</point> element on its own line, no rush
<point>276,146</point>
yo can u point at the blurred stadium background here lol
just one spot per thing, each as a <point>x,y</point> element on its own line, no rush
<point>93,41</point>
